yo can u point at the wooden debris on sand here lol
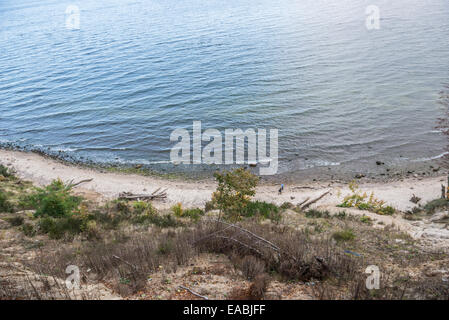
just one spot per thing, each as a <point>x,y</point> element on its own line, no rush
<point>156,195</point>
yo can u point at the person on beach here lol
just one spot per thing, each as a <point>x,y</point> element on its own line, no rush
<point>281,189</point>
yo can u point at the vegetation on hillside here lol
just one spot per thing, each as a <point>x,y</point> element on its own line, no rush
<point>126,243</point>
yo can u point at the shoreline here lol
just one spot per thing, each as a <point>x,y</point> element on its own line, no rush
<point>41,170</point>
<point>375,171</point>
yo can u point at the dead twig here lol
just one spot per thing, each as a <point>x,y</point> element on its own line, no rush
<point>241,243</point>
<point>270,244</point>
<point>126,262</point>
<point>71,185</point>
<point>194,293</point>
<point>211,234</point>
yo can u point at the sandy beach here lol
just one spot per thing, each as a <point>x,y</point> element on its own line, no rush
<point>107,185</point>
<point>428,235</point>
<point>42,170</point>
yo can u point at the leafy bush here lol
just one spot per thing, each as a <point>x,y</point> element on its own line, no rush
<point>162,221</point>
<point>122,207</point>
<point>91,229</point>
<point>287,205</point>
<point>436,204</point>
<point>387,210</point>
<point>234,190</point>
<point>28,229</point>
<point>341,215</point>
<point>4,171</point>
<point>344,235</point>
<point>54,200</point>
<point>366,219</point>
<point>57,228</point>
<point>15,221</point>
<point>262,209</point>
<point>364,202</point>
<point>5,205</point>
<point>142,207</point>
<point>313,213</point>
<point>177,209</point>
<point>194,214</point>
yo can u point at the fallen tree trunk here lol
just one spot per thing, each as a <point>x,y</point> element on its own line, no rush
<point>157,194</point>
<point>314,200</point>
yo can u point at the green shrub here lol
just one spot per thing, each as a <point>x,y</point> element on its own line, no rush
<point>366,219</point>
<point>388,210</point>
<point>15,221</point>
<point>234,191</point>
<point>109,220</point>
<point>54,200</point>
<point>4,171</point>
<point>56,228</point>
<point>28,229</point>
<point>194,214</point>
<point>365,202</point>
<point>177,209</point>
<point>91,230</point>
<point>142,207</point>
<point>436,204</point>
<point>262,209</point>
<point>341,215</point>
<point>5,205</point>
<point>313,213</point>
<point>344,235</point>
<point>122,207</point>
<point>162,221</point>
<point>287,205</point>
<point>364,206</point>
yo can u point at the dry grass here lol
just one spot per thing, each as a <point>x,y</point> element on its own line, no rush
<point>130,242</point>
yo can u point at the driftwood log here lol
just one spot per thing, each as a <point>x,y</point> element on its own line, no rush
<point>157,194</point>
<point>72,184</point>
<point>306,205</point>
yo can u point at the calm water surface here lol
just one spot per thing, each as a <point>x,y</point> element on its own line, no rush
<point>114,90</point>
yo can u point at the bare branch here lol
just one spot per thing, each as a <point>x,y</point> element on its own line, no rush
<point>314,200</point>
<point>194,293</point>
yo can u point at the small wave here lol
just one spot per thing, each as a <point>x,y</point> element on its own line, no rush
<point>430,158</point>
<point>63,149</point>
<point>442,130</point>
<point>321,163</point>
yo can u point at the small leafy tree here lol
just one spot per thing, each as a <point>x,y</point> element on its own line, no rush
<point>234,191</point>
<point>55,200</point>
